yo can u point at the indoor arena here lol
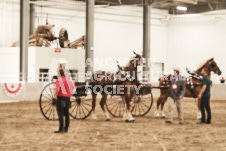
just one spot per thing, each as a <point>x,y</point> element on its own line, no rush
<point>102,75</point>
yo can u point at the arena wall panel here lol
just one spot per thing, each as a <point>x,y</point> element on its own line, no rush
<point>32,91</point>
<point>218,91</point>
<point>5,97</point>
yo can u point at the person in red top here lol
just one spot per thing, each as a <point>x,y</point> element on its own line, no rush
<point>64,90</point>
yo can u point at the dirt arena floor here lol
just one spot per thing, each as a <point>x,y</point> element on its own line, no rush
<point>23,127</point>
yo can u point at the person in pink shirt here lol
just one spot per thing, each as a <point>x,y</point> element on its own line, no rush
<point>64,90</point>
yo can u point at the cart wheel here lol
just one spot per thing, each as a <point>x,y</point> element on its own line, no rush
<point>116,106</point>
<point>142,104</point>
<point>47,103</point>
<point>81,107</point>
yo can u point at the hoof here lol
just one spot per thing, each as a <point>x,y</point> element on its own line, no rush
<point>94,119</point>
<point>108,119</point>
<point>132,121</point>
<point>163,117</point>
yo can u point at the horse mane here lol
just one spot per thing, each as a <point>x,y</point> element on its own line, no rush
<point>130,60</point>
<point>202,65</point>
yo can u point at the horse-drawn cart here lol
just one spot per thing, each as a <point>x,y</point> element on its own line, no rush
<point>81,102</point>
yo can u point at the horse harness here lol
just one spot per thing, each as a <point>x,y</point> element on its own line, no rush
<point>190,85</point>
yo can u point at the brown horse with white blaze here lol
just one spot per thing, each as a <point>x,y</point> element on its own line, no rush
<point>192,88</point>
<point>105,80</point>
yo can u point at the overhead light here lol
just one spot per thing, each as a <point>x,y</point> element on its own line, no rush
<point>181,8</point>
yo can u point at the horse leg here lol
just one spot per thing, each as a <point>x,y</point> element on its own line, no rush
<point>159,101</point>
<point>128,98</point>
<point>102,104</point>
<point>162,106</point>
<point>125,110</point>
<point>94,105</point>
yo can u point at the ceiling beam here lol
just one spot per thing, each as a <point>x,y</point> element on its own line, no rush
<point>200,8</point>
<point>187,1</point>
<point>121,2</point>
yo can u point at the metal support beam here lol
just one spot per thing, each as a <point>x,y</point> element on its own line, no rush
<point>24,37</point>
<point>32,18</point>
<point>194,2</point>
<point>89,34</point>
<point>146,38</point>
<point>121,2</point>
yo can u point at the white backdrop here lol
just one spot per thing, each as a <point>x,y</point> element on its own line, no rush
<point>195,39</point>
<point>184,41</point>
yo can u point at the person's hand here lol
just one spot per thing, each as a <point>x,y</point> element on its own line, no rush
<point>199,96</point>
<point>180,97</point>
<point>55,97</point>
<point>199,103</point>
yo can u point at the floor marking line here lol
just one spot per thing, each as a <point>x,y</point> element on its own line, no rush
<point>163,146</point>
<point>43,142</point>
<point>71,138</point>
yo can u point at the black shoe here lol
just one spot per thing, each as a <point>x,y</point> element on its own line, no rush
<point>65,130</point>
<point>200,122</point>
<point>169,122</point>
<point>208,122</point>
<point>59,131</point>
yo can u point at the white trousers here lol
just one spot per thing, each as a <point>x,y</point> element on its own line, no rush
<point>179,109</point>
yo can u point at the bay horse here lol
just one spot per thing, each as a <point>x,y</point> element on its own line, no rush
<point>102,80</point>
<point>193,86</point>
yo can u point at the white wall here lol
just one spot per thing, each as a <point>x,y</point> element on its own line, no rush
<point>47,58</point>
<point>195,39</point>
<point>118,30</point>
<point>39,57</point>
<point>9,68</point>
<point>9,22</point>
<point>120,35</point>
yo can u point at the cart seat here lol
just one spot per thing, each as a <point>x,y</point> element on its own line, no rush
<point>80,83</point>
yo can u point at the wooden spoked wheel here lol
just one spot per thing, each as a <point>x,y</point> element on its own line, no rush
<point>46,102</point>
<point>81,106</point>
<point>116,106</point>
<point>141,105</point>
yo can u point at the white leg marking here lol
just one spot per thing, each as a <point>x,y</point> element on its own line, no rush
<point>157,114</point>
<point>107,116</point>
<point>130,117</point>
<point>124,116</point>
<point>163,115</point>
<point>94,117</point>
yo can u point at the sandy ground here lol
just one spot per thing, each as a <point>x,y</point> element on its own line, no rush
<point>23,127</point>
